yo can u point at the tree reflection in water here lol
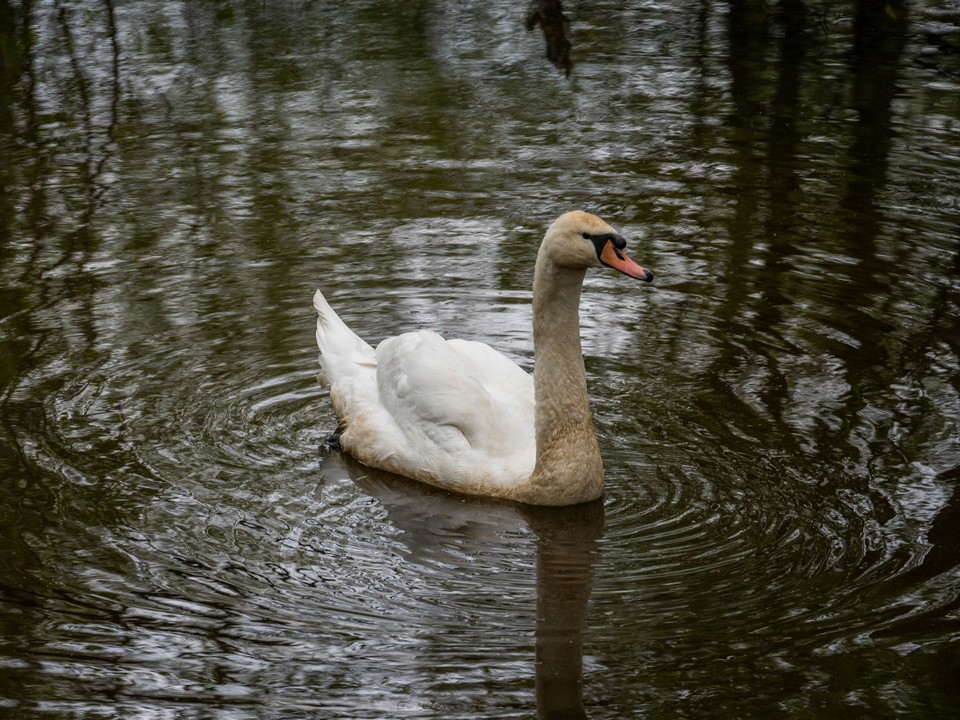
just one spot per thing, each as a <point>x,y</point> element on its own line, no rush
<point>779,419</point>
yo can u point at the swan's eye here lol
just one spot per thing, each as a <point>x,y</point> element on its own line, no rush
<point>586,236</point>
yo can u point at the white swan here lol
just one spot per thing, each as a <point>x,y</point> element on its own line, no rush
<point>459,415</point>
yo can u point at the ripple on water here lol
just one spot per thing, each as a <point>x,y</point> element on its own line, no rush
<point>247,557</point>
<point>228,551</point>
<point>726,546</point>
<point>241,513</point>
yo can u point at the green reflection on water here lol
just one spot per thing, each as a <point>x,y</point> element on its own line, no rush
<point>779,416</point>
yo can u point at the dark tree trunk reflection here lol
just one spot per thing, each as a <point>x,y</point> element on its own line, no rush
<point>549,15</point>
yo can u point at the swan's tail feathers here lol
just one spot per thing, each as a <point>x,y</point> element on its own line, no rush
<point>342,352</point>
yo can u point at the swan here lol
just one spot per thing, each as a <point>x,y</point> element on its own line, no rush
<point>458,414</point>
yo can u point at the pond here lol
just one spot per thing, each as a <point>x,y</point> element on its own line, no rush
<point>778,412</point>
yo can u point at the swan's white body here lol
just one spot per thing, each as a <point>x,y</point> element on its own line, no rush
<point>426,407</point>
<point>460,415</point>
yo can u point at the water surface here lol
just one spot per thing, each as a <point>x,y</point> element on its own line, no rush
<point>779,412</point>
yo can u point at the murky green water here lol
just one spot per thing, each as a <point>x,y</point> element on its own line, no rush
<point>779,412</point>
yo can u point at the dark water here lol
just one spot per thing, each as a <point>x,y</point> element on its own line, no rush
<point>779,412</point>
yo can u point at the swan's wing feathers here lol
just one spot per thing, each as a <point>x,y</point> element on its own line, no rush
<point>461,395</point>
<point>505,380</point>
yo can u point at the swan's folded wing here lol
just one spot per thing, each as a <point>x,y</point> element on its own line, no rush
<point>460,396</point>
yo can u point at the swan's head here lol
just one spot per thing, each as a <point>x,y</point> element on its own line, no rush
<point>579,240</point>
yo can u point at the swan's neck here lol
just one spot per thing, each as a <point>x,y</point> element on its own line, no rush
<point>568,465</point>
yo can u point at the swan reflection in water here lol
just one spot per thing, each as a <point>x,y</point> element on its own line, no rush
<point>566,542</point>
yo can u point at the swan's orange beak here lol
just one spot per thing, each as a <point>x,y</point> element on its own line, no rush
<point>618,259</point>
